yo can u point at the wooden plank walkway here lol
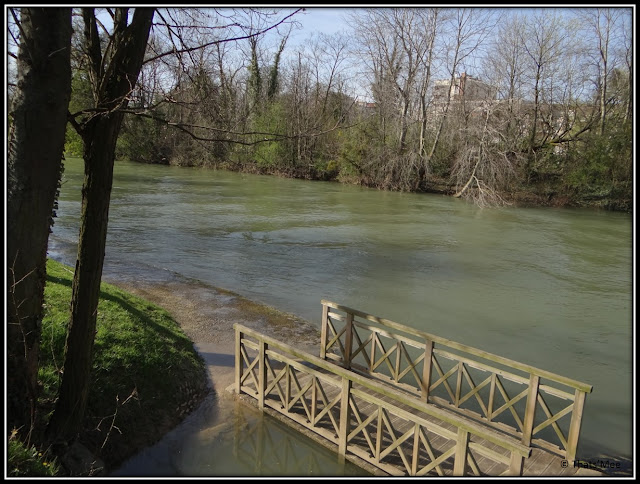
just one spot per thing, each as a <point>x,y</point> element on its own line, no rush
<point>379,421</point>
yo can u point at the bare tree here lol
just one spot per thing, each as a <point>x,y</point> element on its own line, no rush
<point>314,98</point>
<point>397,46</point>
<point>627,47</point>
<point>604,23</point>
<point>483,168</point>
<point>396,51</point>
<point>430,20</point>
<point>544,40</point>
<point>471,28</point>
<point>504,69</point>
<point>328,56</point>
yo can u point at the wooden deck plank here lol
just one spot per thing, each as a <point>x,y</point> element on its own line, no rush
<point>537,463</point>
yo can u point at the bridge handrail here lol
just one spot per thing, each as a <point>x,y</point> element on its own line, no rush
<point>426,342</point>
<point>578,385</point>
<point>461,423</point>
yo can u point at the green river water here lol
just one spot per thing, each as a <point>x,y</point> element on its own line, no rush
<point>548,287</point>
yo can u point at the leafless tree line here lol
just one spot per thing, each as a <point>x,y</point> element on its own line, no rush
<point>550,70</point>
<point>262,102</point>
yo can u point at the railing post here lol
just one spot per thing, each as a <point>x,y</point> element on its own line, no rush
<point>324,331</point>
<point>314,400</point>
<point>530,412</point>
<point>516,464</point>
<point>345,417</point>
<point>262,373</point>
<point>426,370</point>
<point>416,449</point>
<point>397,365</point>
<point>238,354</point>
<point>462,446</point>
<point>574,428</point>
<point>287,388</point>
<point>348,339</point>
<point>374,340</point>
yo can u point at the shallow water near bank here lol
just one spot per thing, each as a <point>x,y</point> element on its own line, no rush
<point>245,443</point>
<point>548,287</point>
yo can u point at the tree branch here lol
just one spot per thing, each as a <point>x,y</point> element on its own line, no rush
<point>244,37</point>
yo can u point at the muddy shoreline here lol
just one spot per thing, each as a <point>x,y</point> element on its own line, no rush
<point>206,314</point>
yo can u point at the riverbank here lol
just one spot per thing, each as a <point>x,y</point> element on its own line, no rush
<point>146,377</point>
<point>551,192</point>
<point>207,314</point>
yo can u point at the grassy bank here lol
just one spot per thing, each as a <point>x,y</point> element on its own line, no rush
<point>146,376</point>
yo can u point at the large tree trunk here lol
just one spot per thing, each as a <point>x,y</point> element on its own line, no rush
<point>96,195</point>
<point>99,136</point>
<point>39,118</point>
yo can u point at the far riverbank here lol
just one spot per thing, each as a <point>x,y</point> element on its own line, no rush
<point>546,193</point>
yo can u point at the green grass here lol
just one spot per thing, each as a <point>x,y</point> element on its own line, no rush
<point>29,462</point>
<point>144,368</point>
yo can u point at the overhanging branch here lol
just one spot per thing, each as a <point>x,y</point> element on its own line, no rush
<point>214,42</point>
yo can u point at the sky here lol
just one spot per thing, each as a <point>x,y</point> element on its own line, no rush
<point>331,19</point>
<point>326,20</point>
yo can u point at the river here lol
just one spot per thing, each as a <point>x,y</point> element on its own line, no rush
<point>548,287</point>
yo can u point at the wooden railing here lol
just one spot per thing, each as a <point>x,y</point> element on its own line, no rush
<point>363,417</point>
<point>513,397</point>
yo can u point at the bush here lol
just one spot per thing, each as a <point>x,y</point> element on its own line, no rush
<point>603,163</point>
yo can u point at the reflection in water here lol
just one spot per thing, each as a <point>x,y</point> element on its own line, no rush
<point>247,444</point>
<point>265,447</point>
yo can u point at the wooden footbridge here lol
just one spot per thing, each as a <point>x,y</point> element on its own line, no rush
<point>398,401</point>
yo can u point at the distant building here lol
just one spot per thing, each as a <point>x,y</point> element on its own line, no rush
<point>465,86</point>
<point>366,106</point>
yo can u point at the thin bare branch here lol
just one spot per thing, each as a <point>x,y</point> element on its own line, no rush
<point>215,42</point>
